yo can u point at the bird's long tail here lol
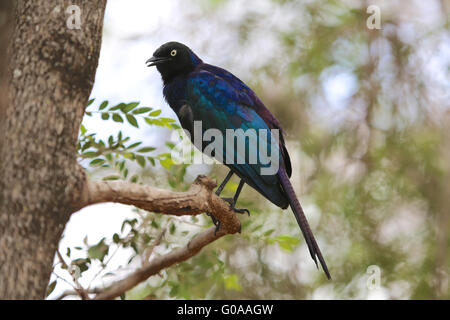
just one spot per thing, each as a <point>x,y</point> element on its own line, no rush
<point>302,222</point>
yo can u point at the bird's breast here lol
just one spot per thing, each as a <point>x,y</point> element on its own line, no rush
<point>175,93</point>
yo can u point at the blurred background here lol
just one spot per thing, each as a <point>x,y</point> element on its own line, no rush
<point>367,116</point>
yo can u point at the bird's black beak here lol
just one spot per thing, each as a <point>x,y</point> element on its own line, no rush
<point>153,61</point>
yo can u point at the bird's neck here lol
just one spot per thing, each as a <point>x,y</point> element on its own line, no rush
<point>175,92</point>
<point>170,76</point>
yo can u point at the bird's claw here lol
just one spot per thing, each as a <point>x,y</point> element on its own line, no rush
<point>232,206</point>
<point>217,227</point>
<point>215,221</point>
<point>218,224</point>
<point>241,211</point>
<point>231,202</point>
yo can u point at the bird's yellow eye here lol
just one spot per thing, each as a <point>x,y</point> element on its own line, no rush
<point>173,53</point>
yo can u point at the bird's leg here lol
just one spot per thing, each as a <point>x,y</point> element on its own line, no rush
<point>224,182</point>
<point>232,201</point>
<point>218,192</point>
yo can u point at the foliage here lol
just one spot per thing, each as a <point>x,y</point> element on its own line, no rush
<point>116,152</point>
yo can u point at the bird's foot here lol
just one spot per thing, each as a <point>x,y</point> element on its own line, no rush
<point>237,210</point>
<point>217,228</point>
<point>215,221</point>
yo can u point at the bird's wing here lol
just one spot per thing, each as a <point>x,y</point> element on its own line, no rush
<point>249,98</point>
<point>215,102</point>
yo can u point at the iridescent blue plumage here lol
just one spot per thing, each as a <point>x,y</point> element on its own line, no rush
<point>215,102</point>
<point>199,92</point>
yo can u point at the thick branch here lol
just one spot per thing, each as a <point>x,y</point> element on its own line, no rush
<point>198,199</point>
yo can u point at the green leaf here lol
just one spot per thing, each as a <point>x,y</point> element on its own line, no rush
<point>98,251</point>
<point>146,149</point>
<point>158,122</point>
<point>130,106</point>
<point>116,238</point>
<point>111,178</point>
<point>142,110</point>
<point>154,224</point>
<point>82,129</point>
<point>146,238</point>
<point>152,160</point>
<point>134,145</point>
<point>286,242</point>
<point>90,154</point>
<point>171,145</point>
<point>90,102</point>
<point>141,160</point>
<point>82,264</point>
<point>268,232</point>
<point>103,105</point>
<point>257,228</point>
<point>117,107</point>
<point>97,162</point>
<point>155,113</point>
<point>129,155</point>
<point>231,282</point>
<point>132,120</point>
<point>50,288</point>
<point>117,118</point>
<point>105,115</point>
<point>166,163</point>
<point>167,120</point>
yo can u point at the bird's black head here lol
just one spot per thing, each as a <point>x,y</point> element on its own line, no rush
<point>173,59</point>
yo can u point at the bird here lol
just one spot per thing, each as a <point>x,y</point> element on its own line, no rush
<point>201,92</point>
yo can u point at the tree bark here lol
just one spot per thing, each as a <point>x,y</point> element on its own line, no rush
<point>51,71</point>
<point>6,23</point>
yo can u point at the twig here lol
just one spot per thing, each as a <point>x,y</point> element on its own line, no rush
<point>68,293</point>
<point>148,251</point>
<point>159,263</point>
<point>104,266</point>
<point>79,288</point>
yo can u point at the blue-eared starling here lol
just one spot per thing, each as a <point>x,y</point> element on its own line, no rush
<point>202,93</point>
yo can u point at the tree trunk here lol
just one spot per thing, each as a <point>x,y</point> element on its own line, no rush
<point>6,9</point>
<point>50,73</point>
